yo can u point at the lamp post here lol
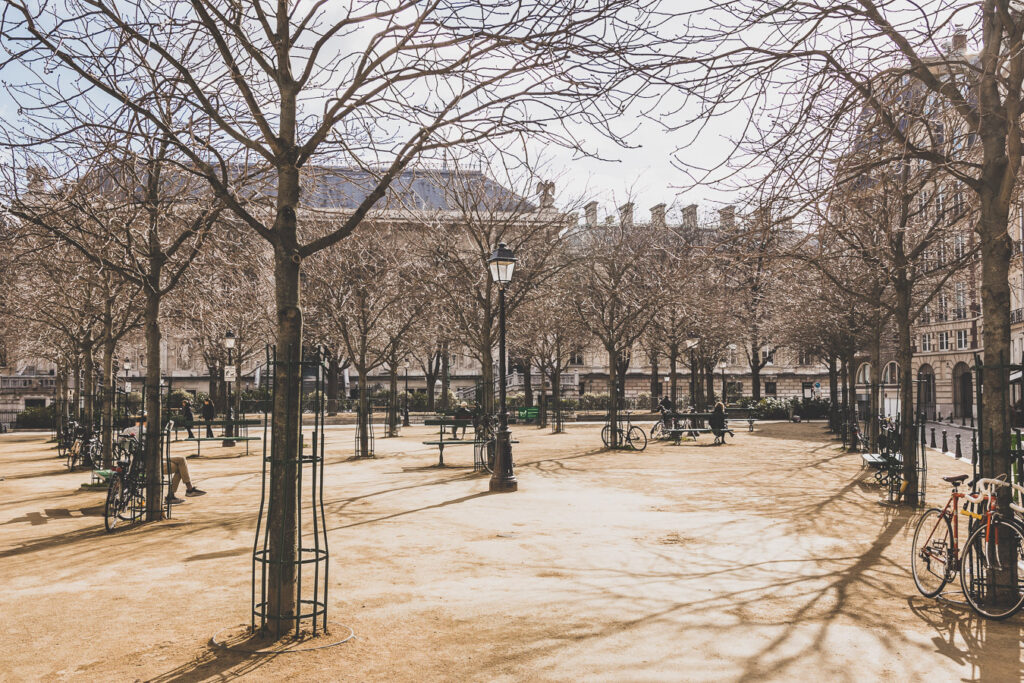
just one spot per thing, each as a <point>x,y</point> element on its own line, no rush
<point>128,366</point>
<point>229,374</point>
<point>501,264</point>
<point>691,344</point>
<point>405,416</point>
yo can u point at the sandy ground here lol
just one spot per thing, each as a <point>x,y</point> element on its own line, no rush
<point>767,559</point>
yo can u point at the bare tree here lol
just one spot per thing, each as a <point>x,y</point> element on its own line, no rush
<point>613,289</point>
<point>388,83</point>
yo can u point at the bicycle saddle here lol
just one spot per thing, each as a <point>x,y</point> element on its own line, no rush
<point>957,480</point>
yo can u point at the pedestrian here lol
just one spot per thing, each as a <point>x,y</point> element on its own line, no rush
<point>188,417</point>
<point>208,414</point>
<point>178,469</point>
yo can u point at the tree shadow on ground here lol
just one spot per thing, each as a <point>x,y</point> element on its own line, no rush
<point>216,663</point>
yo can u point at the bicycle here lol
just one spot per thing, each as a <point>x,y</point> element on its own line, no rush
<point>126,492</point>
<point>632,436</point>
<point>935,550</point>
<point>487,442</point>
<point>992,566</point>
<point>85,450</point>
<point>662,428</point>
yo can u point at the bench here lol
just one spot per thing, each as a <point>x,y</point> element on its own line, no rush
<point>527,414</point>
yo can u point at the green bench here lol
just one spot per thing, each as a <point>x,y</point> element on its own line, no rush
<point>527,414</point>
<point>442,423</point>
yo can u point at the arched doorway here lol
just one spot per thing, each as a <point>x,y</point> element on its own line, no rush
<point>926,391</point>
<point>890,389</point>
<point>963,390</point>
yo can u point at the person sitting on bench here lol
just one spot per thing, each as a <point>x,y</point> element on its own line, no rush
<point>461,413</point>
<point>717,423</point>
<point>178,469</point>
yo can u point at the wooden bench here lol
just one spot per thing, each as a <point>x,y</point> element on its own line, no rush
<point>442,424</point>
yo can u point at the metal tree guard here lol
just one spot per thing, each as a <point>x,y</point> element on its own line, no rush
<point>313,556</point>
<point>369,432</point>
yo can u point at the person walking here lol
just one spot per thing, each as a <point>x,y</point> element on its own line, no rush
<point>188,417</point>
<point>208,414</point>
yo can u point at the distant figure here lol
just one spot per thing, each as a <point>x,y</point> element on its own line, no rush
<point>668,410</point>
<point>461,413</point>
<point>187,417</point>
<point>208,414</point>
<point>717,423</point>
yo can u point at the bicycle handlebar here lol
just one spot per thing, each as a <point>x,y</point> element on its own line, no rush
<point>999,482</point>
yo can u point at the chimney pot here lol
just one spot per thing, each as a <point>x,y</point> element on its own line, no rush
<point>690,217</point>
<point>590,214</point>
<point>626,215</point>
<point>658,215</point>
<point>727,216</point>
<point>960,41</point>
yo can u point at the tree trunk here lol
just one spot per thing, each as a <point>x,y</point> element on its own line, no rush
<point>908,425</point>
<point>874,408</point>
<point>76,408</point>
<point>333,375</point>
<point>755,373</point>
<point>282,597</point>
<point>364,413</point>
<point>445,378</point>
<point>487,380</point>
<point>109,388</point>
<point>89,384</point>
<point>709,376</point>
<point>542,407</point>
<point>673,374</point>
<point>527,383</point>
<point>154,471</point>
<point>833,388</point>
<point>393,405</point>
<point>556,396</point>
<point>613,398</point>
<point>655,380</point>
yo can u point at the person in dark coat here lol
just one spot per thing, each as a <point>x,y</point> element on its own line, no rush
<point>668,411</point>
<point>717,423</point>
<point>461,413</point>
<point>187,417</point>
<point>208,414</point>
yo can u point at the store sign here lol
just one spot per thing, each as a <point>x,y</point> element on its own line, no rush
<point>229,374</point>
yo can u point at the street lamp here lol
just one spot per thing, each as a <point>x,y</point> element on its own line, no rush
<point>501,264</point>
<point>405,417</point>
<point>229,374</point>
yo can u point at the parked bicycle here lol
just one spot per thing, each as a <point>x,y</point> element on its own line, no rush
<point>629,435</point>
<point>127,488</point>
<point>991,563</point>
<point>85,450</point>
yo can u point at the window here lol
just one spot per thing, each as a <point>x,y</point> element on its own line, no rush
<point>926,315</point>
<point>944,341</point>
<point>576,358</point>
<point>926,342</point>
<point>959,245</point>
<point>960,301</point>
<point>961,339</point>
<point>941,253</point>
<point>940,204</point>
<point>767,357</point>
<point>943,307</point>
<point>770,388</point>
<point>804,358</point>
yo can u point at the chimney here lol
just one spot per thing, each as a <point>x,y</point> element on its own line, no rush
<point>658,215</point>
<point>727,216</point>
<point>960,41</point>
<point>626,215</point>
<point>546,194</point>
<point>590,211</point>
<point>690,217</point>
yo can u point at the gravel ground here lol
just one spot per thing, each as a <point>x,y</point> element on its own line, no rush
<point>766,559</point>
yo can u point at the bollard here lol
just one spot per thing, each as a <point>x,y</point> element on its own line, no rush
<point>945,446</point>
<point>972,420</point>
<point>933,437</point>
<point>959,454</point>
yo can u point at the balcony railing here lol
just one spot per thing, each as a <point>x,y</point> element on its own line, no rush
<point>1017,316</point>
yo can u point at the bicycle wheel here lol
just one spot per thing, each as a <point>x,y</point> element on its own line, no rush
<point>117,501</point>
<point>636,439</point>
<point>657,431</point>
<point>931,552</point>
<point>992,570</point>
<point>606,436</point>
